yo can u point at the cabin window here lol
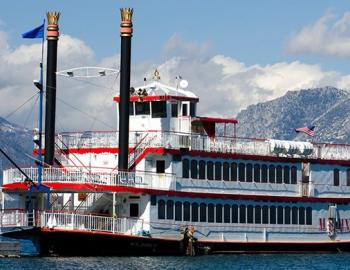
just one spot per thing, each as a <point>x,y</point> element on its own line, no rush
<point>194,212</point>
<point>174,110</point>
<point>218,213</point>
<point>286,177</point>
<point>264,173</point>
<point>279,174</point>
<point>187,211</point>
<point>257,216</point>
<point>272,214</point>
<point>280,215</point>
<point>287,215</point>
<point>142,108</point>
<point>336,177</point>
<point>201,169</point>
<point>250,214</point>
<point>134,209</point>
<point>210,170</point>
<point>159,109</point>
<point>210,212</point>
<point>153,199</point>
<point>272,174</point>
<point>217,170</point>
<point>242,214</point>
<point>257,173</point>
<point>348,177</point>
<point>184,109</point>
<point>203,212</point>
<point>160,166</point>
<point>293,175</point>
<point>185,168</point>
<point>161,209</point>
<point>265,215</point>
<point>301,215</point>
<point>227,216</point>
<point>308,216</point>
<point>241,172</point>
<point>235,213</point>
<point>192,109</point>
<point>294,215</point>
<point>226,171</point>
<point>249,176</point>
<point>131,108</point>
<point>178,211</point>
<point>169,209</point>
<point>194,169</point>
<point>233,171</point>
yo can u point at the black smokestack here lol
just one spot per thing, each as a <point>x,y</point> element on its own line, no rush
<point>51,68</point>
<point>125,62</point>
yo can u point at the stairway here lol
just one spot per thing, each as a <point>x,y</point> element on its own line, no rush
<point>139,149</point>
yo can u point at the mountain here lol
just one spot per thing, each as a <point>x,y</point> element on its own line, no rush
<point>327,108</point>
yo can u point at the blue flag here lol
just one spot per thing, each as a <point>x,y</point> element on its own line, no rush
<point>37,32</point>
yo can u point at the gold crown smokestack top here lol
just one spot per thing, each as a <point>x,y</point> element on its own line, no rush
<point>51,68</point>
<point>125,62</point>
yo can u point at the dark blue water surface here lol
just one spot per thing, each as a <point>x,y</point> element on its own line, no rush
<point>209,262</point>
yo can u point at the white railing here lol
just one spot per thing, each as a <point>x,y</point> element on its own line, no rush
<point>14,218</point>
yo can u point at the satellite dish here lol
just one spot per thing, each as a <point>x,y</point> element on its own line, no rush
<point>183,84</point>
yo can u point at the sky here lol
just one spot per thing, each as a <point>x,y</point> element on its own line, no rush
<point>233,53</point>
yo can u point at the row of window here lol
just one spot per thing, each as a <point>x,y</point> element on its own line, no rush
<point>242,172</point>
<point>227,213</point>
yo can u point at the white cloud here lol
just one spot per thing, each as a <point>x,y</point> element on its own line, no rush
<point>327,36</point>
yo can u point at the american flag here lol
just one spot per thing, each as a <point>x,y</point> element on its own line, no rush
<point>307,130</point>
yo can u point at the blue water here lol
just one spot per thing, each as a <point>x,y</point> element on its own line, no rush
<point>209,262</point>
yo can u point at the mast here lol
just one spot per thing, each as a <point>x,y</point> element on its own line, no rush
<point>51,68</point>
<point>125,59</point>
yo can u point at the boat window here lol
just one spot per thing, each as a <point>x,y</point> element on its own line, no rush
<point>194,169</point>
<point>336,177</point>
<point>257,173</point>
<point>134,209</point>
<point>218,213</point>
<point>293,175</point>
<point>301,215</point>
<point>184,109</point>
<point>280,215</point>
<point>294,215</point>
<point>192,109</point>
<point>227,213</point>
<point>287,215</point>
<point>348,177</point>
<point>142,108</point>
<point>194,212</point>
<point>235,213</point>
<point>169,209</point>
<point>250,214</point>
<point>174,110</point>
<point>187,211</point>
<point>161,209</point>
<point>233,171</point>
<point>241,172</point>
<point>272,214</point>
<point>159,109</point>
<point>249,176</point>
<point>272,174</point>
<point>153,199</point>
<point>185,168</point>
<point>279,174</point>
<point>178,211</point>
<point>242,214</point>
<point>263,173</point>
<point>265,214</point>
<point>308,216</point>
<point>203,212</point>
<point>210,170</point>
<point>131,108</point>
<point>286,177</point>
<point>217,170</point>
<point>160,166</point>
<point>257,211</point>
<point>226,171</point>
<point>201,169</point>
<point>210,212</point>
